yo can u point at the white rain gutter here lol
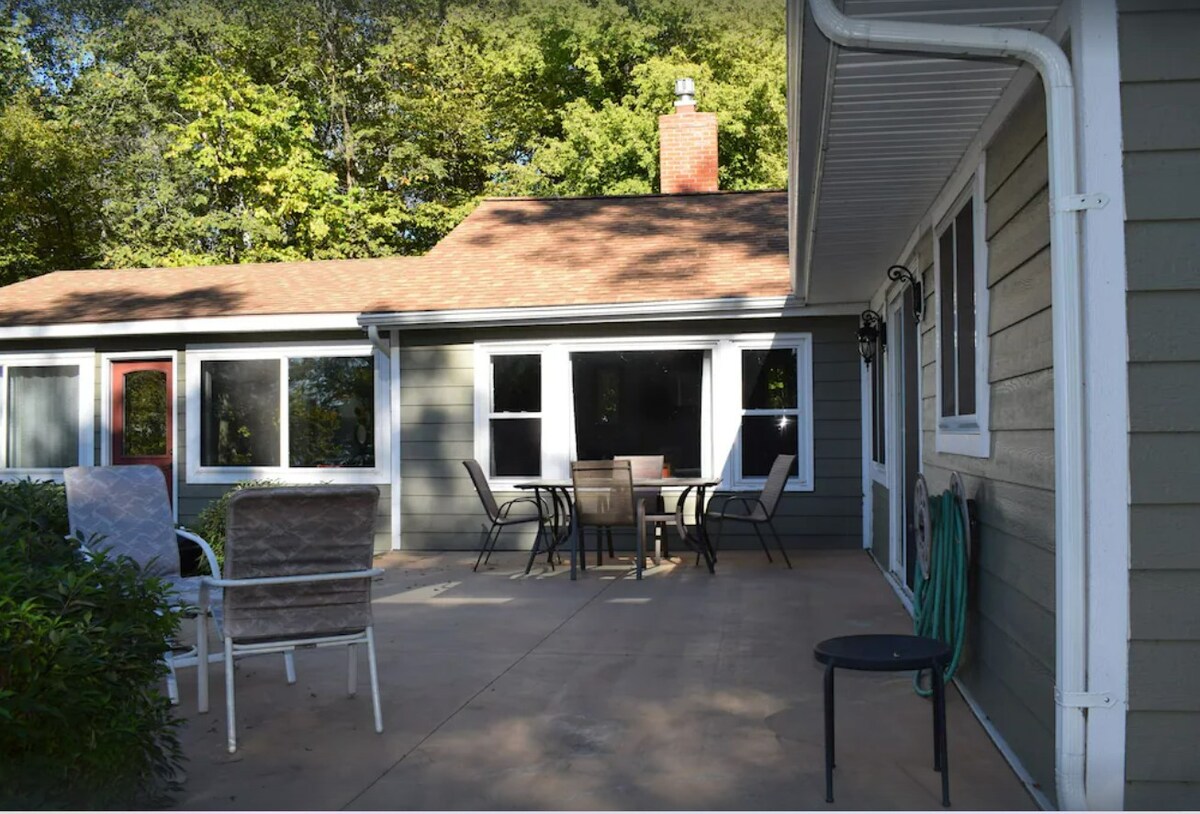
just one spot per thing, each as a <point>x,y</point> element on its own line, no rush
<point>1071,692</point>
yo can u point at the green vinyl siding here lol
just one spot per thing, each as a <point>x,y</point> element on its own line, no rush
<point>441,511</point>
<point>1009,668</point>
<point>1160,92</point>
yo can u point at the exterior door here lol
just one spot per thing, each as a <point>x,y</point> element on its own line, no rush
<point>142,425</point>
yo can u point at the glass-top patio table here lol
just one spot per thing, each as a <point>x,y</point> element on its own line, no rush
<point>564,526</point>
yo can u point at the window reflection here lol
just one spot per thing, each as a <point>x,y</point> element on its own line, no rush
<point>331,406</point>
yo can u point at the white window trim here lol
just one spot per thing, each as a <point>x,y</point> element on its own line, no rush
<point>802,342</point>
<point>104,431</point>
<point>86,362</point>
<point>379,474</point>
<point>966,435</point>
<point>721,408</point>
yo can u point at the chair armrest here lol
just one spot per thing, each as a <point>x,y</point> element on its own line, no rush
<point>213,566</point>
<point>505,508</point>
<point>747,501</point>
<point>290,580</point>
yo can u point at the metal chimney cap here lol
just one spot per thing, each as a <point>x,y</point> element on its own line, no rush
<point>685,92</point>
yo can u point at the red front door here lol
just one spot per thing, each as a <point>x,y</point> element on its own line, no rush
<point>142,426</point>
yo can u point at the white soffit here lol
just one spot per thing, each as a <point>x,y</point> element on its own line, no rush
<point>897,126</point>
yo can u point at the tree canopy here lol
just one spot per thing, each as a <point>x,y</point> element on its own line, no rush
<point>175,132</point>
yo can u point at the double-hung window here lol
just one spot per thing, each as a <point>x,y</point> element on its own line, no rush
<point>46,412</point>
<point>770,409</point>
<point>515,415</point>
<point>295,414</point>
<point>960,258</point>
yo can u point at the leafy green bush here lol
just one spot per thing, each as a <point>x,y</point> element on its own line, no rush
<point>83,720</point>
<point>210,523</point>
<point>40,506</point>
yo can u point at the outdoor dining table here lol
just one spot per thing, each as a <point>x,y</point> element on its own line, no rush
<point>565,526</point>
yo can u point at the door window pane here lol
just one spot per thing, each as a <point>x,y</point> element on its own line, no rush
<point>331,406</point>
<point>640,403</point>
<point>517,384</point>
<point>43,417</point>
<point>763,438</point>
<point>144,423</point>
<point>516,447</point>
<point>769,379</point>
<point>239,405</point>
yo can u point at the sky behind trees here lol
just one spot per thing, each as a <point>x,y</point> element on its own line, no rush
<point>177,132</point>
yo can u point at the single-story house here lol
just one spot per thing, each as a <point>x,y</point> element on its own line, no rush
<point>537,332</point>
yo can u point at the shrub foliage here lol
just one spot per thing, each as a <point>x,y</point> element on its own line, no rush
<point>83,720</point>
<point>210,523</point>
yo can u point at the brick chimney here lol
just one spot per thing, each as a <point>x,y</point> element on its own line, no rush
<point>687,145</point>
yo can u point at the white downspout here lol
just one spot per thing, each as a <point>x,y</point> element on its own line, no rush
<point>1055,69</point>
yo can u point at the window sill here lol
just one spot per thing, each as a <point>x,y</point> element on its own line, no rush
<point>333,474</point>
<point>7,474</point>
<point>973,443</point>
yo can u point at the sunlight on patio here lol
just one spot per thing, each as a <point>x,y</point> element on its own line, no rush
<point>683,691</point>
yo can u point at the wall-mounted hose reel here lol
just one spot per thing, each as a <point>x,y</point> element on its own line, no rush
<point>944,528</point>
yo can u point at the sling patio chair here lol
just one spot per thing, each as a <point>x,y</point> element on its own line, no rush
<point>604,499</point>
<point>297,575</point>
<point>501,517</point>
<point>125,511</point>
<point>757,510</point>
<point>649,467</point>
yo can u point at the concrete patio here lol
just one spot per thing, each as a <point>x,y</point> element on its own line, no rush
<point>682,691</point>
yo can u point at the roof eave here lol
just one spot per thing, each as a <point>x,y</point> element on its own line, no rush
<point>660,311</point>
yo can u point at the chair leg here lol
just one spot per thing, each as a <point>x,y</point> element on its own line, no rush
<point>762,541</point>
<point>495,541</point>
<point>201,661</point>
<point>611,554</point>
<point>374,668</point>
<point>639,557</point>
<point>537,543</point>
<point>172,679</point>
<point>779,542</point>
<point>483,549</point>
<point>230,711</point>
<point>351,671</point>
<point>599,544</point>
<point>289,666</point>
<point>658,535</point>
<point>717,539</point>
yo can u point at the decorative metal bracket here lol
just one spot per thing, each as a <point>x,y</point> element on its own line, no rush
<point>904,274</point>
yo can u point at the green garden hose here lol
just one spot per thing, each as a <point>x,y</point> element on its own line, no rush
<point>940,600</point>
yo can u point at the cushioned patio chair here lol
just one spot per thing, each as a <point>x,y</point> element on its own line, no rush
<point>126,512</point>
<point>604,499</point>
<point>297,574</point>
<point>758,510</point>
<point>501,517</point>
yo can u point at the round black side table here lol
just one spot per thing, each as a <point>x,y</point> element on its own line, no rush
<point>887,653</point>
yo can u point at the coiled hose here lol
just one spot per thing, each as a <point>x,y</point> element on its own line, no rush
<point>940,601</point>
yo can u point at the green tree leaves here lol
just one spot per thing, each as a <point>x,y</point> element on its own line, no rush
<point>172,132</point>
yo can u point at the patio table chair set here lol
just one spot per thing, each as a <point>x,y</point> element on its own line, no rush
<point>297,570</point>
<point>624,492</point>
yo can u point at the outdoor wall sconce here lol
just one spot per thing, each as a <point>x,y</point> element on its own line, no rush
<point>902,274</point>
<point>871,330</point>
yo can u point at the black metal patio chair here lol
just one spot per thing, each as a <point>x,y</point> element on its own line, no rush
<point>758,510</point>
<point>501,517</point>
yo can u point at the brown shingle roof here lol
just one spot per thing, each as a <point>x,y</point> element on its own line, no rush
<point>508,253</point>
